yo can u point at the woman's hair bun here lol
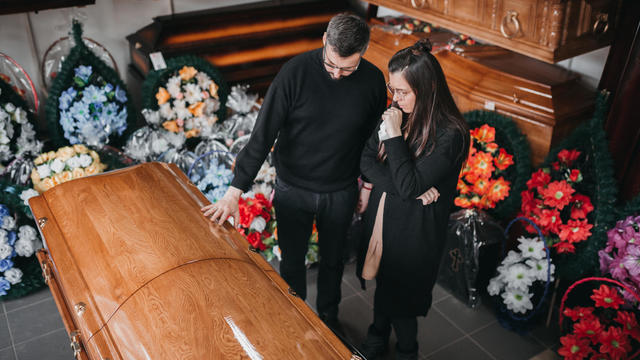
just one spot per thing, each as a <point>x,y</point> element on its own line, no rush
<point>422,45</point>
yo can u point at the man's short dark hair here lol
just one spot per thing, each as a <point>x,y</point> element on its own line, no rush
<point>348,34</point>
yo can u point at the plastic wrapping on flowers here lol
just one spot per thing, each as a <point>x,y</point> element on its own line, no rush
<point>19,269</point>
<point>470,255</point>
<point>598,323</point>
<point>65,164</point>
<point>571,198</point>
<point>18,140</point>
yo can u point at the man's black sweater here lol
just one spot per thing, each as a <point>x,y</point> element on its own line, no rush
<point>321,125</point>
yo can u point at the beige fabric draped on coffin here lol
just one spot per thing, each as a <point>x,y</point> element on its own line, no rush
<point>374,252</point>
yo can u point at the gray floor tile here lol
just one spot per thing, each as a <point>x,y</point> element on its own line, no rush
<point>312,288</point>
<point>53,346</point>
<point>5,338</point>
<point>34,320</point>
<point>439,293</point>
<point>463,349</point>
<point>435,332</point>
<point>35,297</point>
<point>548,336</point>
<point>7,354</point>
<point>507,345</point>
<point>355,316</point>
<point>464,317</point>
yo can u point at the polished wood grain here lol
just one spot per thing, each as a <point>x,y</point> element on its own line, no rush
<point>548,30</point>
<point>158,279</point>
<point>545,101</point>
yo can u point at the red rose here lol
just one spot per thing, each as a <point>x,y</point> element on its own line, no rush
<point>580,206</point>
<point>575,175</point>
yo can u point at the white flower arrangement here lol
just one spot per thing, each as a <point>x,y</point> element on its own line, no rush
<point>67,163</point>
<point>518,272</point>
<point>22,242</point>
<point>17,135</point>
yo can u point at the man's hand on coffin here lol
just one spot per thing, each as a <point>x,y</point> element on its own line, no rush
<point>225,207</point>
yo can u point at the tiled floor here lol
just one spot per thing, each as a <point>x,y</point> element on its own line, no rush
<point>31,329</point>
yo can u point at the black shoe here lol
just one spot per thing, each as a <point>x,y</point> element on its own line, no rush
<point>333,324</point>
<point>407,355</point>
<point>374,345</point>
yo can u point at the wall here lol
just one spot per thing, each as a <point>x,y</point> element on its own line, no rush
<point>26,37</point>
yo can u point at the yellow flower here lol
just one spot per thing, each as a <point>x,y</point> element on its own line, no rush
<point>171,126</point>
<point>162,95</point>
<point>57,179</point>
<point>191,133</point>
<point>92,169</point>
<point>80,149</point>
<point>50,155</point>
<point>66,176</point>
<point>65,153</point>
<point>213,89</point>
<point>95,156</point>
<point>39,160</point>
<point>77,173</point>
<point>187,72</point>
<point>212,120</point>
<point>35,176</point>
<point>45,185</point>
<point>197,108</point>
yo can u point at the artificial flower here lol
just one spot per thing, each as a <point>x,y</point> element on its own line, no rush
<point>574,348</point>
<point>517,300</point>
<point>607,297</point>
<point>557,194</point>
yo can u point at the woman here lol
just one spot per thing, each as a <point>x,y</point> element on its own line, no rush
<point>420,148</point>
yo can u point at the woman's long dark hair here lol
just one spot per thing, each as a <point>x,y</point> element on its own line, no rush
<point>434,107</point>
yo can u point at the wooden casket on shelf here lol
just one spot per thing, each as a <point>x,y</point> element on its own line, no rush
<point>546,101</point>
<point>138,273</point>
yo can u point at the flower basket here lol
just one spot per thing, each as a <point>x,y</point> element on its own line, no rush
<point>18,142</point>
<point>20,272</point>
<point>187,97</point>
<point>65,164</point>
<point>88,101</point>
<point>577,259</point>
<point>604,330</point>
<point>523,281</point>
<point>498,165</point>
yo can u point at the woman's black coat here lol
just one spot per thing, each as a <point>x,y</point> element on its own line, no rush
<point>413,234</point>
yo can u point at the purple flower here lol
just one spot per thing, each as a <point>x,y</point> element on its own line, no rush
<point>605,261</point>
<point>632,260</point>
<point>617,269</point>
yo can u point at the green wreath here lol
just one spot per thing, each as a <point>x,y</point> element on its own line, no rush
<point>8,95</point>
<point>599,185</point>
<point>31,274</point>
<point>157,78</point>
<point>79,55</point>
<point>515,143</point>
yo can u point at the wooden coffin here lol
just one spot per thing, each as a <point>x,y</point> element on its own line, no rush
<point>248,43</point>
<point>138,273</point>
<point>548,30</point>
<point>546,101</point>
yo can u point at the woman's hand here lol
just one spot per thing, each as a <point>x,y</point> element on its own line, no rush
<point>429,196</point>
<point>363,199</point>
<point>392,117</point>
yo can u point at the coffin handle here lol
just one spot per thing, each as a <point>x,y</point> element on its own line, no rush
<point>46,272</point>
<point>42,221</point>
<point>75,344</point>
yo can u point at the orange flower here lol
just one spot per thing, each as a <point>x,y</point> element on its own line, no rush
<point>481,186</point>
<point>213,89</point>
<point>499,189</point>
<point>557,194</point>
<point>162,95</point>
<point>171,126</point>
<point>503,160</point>
<point>462,202</point>
<point>192,133</point>
<point>484,134</point>
<point>187,72</point>
<point>78,173</point>
<point>196,109</point>
<point>491,147</point>
<point>463,187</point>
<point>482,163</point>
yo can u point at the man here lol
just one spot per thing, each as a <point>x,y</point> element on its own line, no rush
<point>322,106</point>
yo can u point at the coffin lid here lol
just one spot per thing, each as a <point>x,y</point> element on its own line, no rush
<point>155,266</point>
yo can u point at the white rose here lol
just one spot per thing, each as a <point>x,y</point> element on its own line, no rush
<point>24,247</point>
<point>73,162</point>
<point>5,251</point>
<point>44,171</point>
<point>3,115</point>
<point>10,107</point>
<point>8,223</point>
<point>166,111</point>
<point>27,232</point>
<point>28,194</point>
<point>173,86</point>
<point>85,160</point>
<point>20,116</point>
<point>56,166</point>
<point>258,224</point>
<point>13,275</point>
<point>4,237</point>
<point>151,117</point>
<point>181,110</point>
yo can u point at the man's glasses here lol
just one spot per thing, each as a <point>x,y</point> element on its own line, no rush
<point>347,69</point>
<point>401,93</point>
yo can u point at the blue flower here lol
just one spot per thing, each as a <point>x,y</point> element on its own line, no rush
<point>121,121</point>
<point>80,111</point>
<point>108,88</point>
<point>5,265</point>
<point>121,95</point>
<point>84,72</point>
<point>66,121</point>
<point>11,237</point>
<point>93,94</point>
<point>4,211</point>
<point>4,286</point>
<point>66,98</point>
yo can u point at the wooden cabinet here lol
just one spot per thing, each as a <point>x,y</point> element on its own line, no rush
<point>138,273</point>
<point>545,101</point>
<point>548,30</point>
